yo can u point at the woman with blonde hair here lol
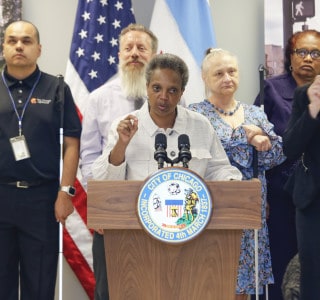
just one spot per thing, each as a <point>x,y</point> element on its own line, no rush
<point>241,128</point>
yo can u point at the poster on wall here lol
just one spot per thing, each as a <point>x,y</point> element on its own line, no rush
<point>10,10</point>
<point>282,18</point>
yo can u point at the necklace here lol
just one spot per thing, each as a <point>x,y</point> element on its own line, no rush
<point>227,113</point>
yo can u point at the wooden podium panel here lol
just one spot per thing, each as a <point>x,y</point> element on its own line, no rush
<point>142,268</point>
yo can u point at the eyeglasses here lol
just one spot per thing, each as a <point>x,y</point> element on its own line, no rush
<point>315,54</point>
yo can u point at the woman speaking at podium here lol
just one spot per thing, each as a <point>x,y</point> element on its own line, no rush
<point>129,154</point>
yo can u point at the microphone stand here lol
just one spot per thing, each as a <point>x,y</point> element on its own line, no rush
<point>184,156</point>
<point>160,155</point>
<point>184,150</point>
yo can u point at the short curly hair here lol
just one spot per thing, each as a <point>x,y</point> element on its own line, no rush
<point>168,61</point>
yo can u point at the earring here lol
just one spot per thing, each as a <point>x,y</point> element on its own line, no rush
<point>290,68</point>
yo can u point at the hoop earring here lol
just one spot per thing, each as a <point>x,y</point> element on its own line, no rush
<point>290,68</point>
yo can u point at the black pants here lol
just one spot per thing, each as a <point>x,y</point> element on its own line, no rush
<point>29,238</point>
<point>99,266</point>
<point>308,233</point>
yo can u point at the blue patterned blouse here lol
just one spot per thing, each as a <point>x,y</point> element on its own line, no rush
<point>240,154</point>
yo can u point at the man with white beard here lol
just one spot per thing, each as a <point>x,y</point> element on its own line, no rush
<point>122,94</point>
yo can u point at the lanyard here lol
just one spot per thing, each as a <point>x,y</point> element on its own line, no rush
<point>25,105</point>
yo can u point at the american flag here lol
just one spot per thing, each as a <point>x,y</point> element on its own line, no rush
<point>93,60</point>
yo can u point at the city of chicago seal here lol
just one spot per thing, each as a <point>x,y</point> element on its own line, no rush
<point>174,205</point>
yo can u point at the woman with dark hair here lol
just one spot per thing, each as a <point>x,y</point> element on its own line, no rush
<point>302,64</point>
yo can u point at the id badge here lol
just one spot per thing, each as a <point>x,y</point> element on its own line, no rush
<point>19,147</point>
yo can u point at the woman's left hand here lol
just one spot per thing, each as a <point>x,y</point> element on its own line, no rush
<point>314,97</point>
<point>251,131</point>
<point>261,142</point>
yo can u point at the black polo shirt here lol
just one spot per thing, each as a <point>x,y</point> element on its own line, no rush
<point>40,125</point>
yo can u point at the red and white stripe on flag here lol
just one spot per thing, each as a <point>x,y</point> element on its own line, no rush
<point>92,61</point>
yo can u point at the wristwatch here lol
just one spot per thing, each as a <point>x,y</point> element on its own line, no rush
<point>70,190</point>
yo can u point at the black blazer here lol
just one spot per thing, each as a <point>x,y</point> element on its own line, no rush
<point>302,137</point>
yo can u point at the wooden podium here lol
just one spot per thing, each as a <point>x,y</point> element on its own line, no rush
<point>142,268</point>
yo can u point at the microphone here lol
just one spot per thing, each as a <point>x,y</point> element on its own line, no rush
<point>160,155</point>
<point>184,150</point>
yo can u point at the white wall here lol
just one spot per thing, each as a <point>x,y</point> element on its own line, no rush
<point>238,26</point>
<point>55,20</point>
